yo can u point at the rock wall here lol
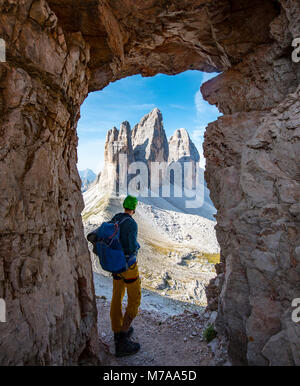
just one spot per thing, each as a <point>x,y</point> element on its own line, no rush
<point>253,171</point>
<point>149,139</point>
<point>181,147</point>
<point>45,271</point>
<point>59,51</point>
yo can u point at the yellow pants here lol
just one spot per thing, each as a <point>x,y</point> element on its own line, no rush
<point>133,294</point>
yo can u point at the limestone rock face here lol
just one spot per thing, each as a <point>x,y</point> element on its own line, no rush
<point>117,142</point>
<point>45,272</point>
<point>125,142</point>
<point>253,174</point>
<point>181,147</point>
<point>58,51</point>
<point>146,142</point>
<point>149,139</point>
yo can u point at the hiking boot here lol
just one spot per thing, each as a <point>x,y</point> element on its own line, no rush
<point>128,334</point>
<point>124,346</point>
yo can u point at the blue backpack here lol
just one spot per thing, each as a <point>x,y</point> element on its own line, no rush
<point>108,248</point>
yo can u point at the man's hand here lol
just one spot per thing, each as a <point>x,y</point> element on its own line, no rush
<point>92,237</point>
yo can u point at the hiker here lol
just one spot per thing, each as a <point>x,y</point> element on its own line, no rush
<point>121,326</point>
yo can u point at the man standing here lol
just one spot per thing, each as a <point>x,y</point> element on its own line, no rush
<point>129,280</point>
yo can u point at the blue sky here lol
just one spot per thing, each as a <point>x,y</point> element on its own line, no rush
<point>177,96</point>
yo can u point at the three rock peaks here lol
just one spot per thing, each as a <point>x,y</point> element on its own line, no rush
<point>147,142</point>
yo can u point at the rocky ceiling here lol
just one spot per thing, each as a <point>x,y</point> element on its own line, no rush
<point>130,37</point>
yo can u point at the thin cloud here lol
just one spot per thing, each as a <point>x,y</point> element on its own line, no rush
<point>199,103</point>
<point>180,107</point>
<point>142,106</point>
<point>208,75</point>
<point>198,134</point>
<point>100,129</point>
<point>128,105</point>
<point>204,109</point>
<point>91,154</point>
<point>205,113</point>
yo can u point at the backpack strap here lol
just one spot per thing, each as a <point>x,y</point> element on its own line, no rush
<point>117,224</point>
<point>121,222</point>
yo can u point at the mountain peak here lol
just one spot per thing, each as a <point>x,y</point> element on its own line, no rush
<point>182,148</point>
<point>149,139</point>
<point>155,111</point>
<point>154,114</point>
<point>181,133</point>
<point>87,178</point>
<point>147,142</point>
<point>125,125</point>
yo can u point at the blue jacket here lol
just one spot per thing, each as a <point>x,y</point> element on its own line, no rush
<point>128,233</point>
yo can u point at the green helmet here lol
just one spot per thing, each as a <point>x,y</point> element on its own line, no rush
<point>130,202</point>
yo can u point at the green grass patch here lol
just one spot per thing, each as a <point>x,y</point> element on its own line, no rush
<point>213,258</point>
<point>209,333</point>
<point>162,250</point>
<point>99,207</point>
<point>85,216</point>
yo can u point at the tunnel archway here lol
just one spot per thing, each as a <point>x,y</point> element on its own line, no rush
<point>60,51</point>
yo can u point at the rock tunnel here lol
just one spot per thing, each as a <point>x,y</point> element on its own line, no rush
<point>57,51</point>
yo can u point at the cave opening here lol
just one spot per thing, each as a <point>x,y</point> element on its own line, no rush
<point>173,234</point>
